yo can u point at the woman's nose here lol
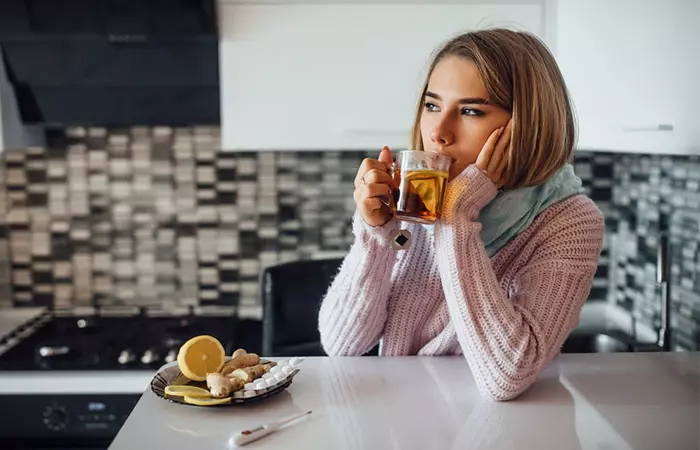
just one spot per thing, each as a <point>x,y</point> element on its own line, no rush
<point>442,136</point>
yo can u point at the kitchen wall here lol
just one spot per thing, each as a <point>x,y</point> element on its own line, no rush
<point>149,216</point>
<point>158,216</point>
<point>645,189</point>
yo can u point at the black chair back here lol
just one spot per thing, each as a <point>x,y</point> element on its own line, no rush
<point>291,297</point>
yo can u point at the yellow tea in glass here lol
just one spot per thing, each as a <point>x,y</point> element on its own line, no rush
<point>420,179</point>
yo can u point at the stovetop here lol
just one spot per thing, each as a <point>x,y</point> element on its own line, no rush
<point>94,342</point>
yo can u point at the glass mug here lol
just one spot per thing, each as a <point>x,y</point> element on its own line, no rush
<point>420,181</point>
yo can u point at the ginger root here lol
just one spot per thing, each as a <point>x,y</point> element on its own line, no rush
<point>248,374</point>
<point>236,384</point>
<point>240,359</point>
<point>238,352</point>
<point>242,368</point>
<point>219,385</point>
<point>222,386</point>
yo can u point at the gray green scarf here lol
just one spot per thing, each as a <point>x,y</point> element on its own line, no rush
<point>511,212</point>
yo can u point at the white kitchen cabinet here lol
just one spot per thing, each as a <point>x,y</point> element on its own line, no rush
<point>633,70</point>
<point>337,76</point>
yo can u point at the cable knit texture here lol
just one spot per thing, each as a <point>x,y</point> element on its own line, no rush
<point>508,315</point>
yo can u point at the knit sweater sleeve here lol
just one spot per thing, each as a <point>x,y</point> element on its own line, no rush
<point>509,335</point>
<point>354,309</point>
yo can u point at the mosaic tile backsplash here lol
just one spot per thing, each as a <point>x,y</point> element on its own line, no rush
<point>150,216</point>
<point>155,216</point>
<point>650,194</point>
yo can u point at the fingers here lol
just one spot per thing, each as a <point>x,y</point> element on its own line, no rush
<point>367,166</point>
<point>492,158</point>
<point>377,189</point>
<point>385,156</point>
<point>372,204</point>
<point>372,190</point>
<point>496,165</point>
<point>487,150</point>
<point>376,176</point>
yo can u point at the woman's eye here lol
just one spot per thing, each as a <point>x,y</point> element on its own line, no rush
<point>472,112</point>
<point>431,107</point>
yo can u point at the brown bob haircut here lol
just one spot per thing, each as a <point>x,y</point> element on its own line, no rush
<point>522,77</point>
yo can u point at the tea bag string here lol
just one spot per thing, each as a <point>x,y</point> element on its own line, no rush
<point>403,239</point>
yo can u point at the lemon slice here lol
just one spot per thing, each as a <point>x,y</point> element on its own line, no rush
<point>207,401</point>
<point>187,391</point>
<point>199,356</point>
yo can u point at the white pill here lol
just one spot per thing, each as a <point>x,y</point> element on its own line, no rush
<point>296,362</point>
<point>248,394</point>
<point>249,386</point>
<point>275,370</point>
<point>268,375</point>
<point>239,394</point>
<point>280,376</point>
<point>271,382</point>
<point>288,370</point>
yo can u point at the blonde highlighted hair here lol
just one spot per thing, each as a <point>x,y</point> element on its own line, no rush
<point>522,77</point>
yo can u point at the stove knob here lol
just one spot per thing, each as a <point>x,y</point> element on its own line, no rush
<point>55,418</point>
<point>126,356</point>
<point>149,357</point>
<point>171,356</point>
<point>48,351</point>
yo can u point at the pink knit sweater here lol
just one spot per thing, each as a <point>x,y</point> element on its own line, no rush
<point>508,315</point>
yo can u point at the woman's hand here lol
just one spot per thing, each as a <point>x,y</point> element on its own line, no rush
<point>373,189</point>
<point>492,158</point>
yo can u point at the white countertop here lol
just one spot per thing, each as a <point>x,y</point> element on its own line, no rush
<point>79,382</point>
<point>595,401</point>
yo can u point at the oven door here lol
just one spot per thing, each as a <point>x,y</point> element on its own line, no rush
<point>33,421</point>
<point>66,409</point>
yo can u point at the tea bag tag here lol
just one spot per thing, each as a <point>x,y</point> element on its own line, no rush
<point>402,240</point>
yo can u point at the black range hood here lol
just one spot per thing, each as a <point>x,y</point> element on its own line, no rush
<point>112,62</point>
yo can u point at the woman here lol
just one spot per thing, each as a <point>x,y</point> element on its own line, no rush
<point>503,276</point>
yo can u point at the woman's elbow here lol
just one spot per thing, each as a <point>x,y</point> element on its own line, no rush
<point>339,347</point>
<point>329,342</point>
<point>334,343</point>
<point>331,348</point>
<point>504,389</point>
<point>501,394</point>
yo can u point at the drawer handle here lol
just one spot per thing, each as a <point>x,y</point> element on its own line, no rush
<point>659,127</point>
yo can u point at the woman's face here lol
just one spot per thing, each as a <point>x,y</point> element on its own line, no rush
<point>457,116</point>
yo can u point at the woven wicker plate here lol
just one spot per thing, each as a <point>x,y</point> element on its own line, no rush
<point>172,376</point>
